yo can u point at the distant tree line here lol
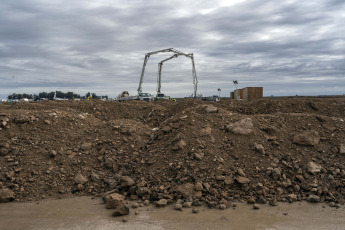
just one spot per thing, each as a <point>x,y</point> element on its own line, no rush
<point>50,96</point>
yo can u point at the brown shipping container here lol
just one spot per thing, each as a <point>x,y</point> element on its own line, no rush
<point>238,94</point>
<point>252,93</point>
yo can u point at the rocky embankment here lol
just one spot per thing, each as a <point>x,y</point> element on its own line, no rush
<point>190,153</point>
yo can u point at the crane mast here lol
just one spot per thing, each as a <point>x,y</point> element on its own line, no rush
<point>176,54</point>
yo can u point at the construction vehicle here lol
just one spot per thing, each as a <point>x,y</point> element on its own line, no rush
<point>162,96</point>
<point>145,97</point>
<point>124,96</point>
<point>176,54</point>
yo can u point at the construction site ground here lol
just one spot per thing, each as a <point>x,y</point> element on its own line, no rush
<point>190,152</point>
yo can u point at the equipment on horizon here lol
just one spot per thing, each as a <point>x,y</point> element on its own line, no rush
<point>177,53</point>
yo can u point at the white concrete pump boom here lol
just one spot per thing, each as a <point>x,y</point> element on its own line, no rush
<point>177,53</point>
<point>159,77</point>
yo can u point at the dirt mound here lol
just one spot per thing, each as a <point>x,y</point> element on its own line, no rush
<point>199,152</point>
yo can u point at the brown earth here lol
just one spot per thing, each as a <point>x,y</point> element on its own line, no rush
<point>192,152</point>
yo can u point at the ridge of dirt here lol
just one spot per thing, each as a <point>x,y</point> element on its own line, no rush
<point>204,152</point>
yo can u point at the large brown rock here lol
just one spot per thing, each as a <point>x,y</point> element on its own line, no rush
<point>80,179</point>
<point>127,181</point>
<point>307,138</point>
<point>6,195</point>
<point>114,200</point>
<point>187,190</point>
<point>242,127</point>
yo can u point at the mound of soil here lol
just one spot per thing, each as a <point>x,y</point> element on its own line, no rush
<point>199,152</point>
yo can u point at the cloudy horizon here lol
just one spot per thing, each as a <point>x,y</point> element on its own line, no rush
<point>288,47</point>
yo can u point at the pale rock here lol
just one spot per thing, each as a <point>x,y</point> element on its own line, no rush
<point>307,138</point>
<point>242,127</point>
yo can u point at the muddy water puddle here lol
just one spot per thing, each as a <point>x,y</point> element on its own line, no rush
<point>86,213</point>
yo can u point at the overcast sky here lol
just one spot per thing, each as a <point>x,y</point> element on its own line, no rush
<point>288,47</point>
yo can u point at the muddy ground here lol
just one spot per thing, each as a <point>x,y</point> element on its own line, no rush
<point>89,214</point>
<point>190,152</point>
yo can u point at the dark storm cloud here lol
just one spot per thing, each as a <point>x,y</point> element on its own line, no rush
<point>100,45</point>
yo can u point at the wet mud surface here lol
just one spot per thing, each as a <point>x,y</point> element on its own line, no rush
<point>87,213</point>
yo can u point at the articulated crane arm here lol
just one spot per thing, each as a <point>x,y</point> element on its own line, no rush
<point>159,77</point>
<point>177,53</point>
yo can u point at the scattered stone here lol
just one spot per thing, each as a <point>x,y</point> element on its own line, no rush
<point>121,211</point>
<point>6,195</point>
<point>94,176</point>
<point>242,127</point>
<point>114,200</point>
<point>186,190</point>
<point>342,149</point>
<point>313,106</point>
<point>314,167</point>
<point>146,202</point>
<point>307,138</point>
<point>80,179</point>
<point>242,180</point>
<point>222,206</point>
<point>241,172</point>
<point>127,181</point>
<point>276,174</point>
<point>211,109</point>
<point>86,146</point>
<point>195,210</point>
<point>292,197</point>
<point>331,204</point>
<point>53,153</point>
<point>313,198</point>
<point>260,148</point>
<point>256,206</point>
<point>181,144</point>
<point>251,200</point>
<point>273,202</point>
<point>108,163</point>
<point>199,155</point>
<point>3,151</point>
<point>187,204</point>
<point>162,203</point>
<point>320,118</point>
<point>166,129</point>
<point>178,207</point>
<point>198,186</point>
<point>47,122</point>
<point>261,200</point>
<point>228,180</point>
<point>206,131</point>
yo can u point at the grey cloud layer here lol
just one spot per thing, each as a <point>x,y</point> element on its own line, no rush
<point>100,45</point>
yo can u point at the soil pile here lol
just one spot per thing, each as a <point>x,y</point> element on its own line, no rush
<point>191,151</point>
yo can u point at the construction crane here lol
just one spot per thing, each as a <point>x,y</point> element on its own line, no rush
<point>177,53</point>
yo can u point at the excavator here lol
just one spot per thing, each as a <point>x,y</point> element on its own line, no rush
<point>176,54</point>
